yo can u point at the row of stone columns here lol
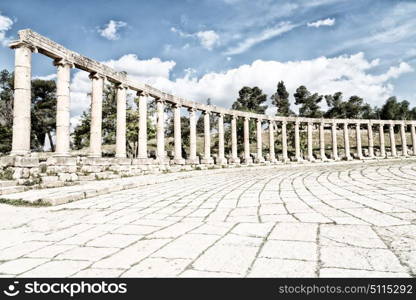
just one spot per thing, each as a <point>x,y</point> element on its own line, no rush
<point>21,125</point>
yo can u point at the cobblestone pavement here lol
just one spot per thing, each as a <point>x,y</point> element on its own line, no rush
<point>322,221</point>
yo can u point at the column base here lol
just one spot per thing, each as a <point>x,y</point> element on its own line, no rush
<point>259,160</point>
<point>221,161</point>
<point>141,161</point>
<point>178,161</point>
<point>311,159</point>
<point>67,154</point>
<point>348,158</point>
<point>207,161</point>
<point>162,160</point>
<point>273,161</point>
<point>19,153</point>
<point>234,160</point>
<point>192,161</point>
<point>247,160</point>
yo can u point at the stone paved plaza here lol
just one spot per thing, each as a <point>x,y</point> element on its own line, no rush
<point>348,219</point>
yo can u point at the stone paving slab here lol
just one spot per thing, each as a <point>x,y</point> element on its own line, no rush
<point>329,220</point>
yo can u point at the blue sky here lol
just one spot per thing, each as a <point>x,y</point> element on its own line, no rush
<point>201,49</point>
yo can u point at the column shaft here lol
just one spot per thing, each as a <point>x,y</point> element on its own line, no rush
<point>142,154</point>
<point>247,157</point>
<point>63,109</point>
<point>413,132</point>
<point>272,154</point>
<point>284,141</point>
<point>370,140</point>
<point>297,142</point>
<point>234,153</point>
<point>22,100</point>
<point>207,139</point>
<point>96,114</point>
<point>392,140</point>
<point>221,154</point>
<point>193,159</point>
<point>358,141</point>
<point>382,143</point>
<point>310,142</point>
<point>160,131</point>
<point>334,141</point>
<point>347,142</point>
<point>403,138</point>
<point>260,157</point>
<point>121,121</point>
<point>322,140</point>
<point>177,135</point>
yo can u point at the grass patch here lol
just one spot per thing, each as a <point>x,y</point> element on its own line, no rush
<point>20,202</point>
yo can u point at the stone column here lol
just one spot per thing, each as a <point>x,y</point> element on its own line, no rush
<point>334,141</point>
<point>392,140</point>
<point>142,154</point>
<point>121,121</point>
<point>22,98</point>
<point>322,140</point>
<point>207,140</point>
<point>234,154</point>
<point>272,154</point>
<point>193,159</point>
<point>177,135</point>
<point>284,142</point>
<point>260,158</point>
<point>96,114</point>
<point>247,157</point>
<point>347,142</point>
<point>310,141</point>
<point>413,132</point>
<point>63,107</point>
<point>403,138</point>
<point>370,139</point>
<point>358,141</point>
<point>221,155</point>
<point>297,142</point>
<point>382,143</point>
<point>160,131</point>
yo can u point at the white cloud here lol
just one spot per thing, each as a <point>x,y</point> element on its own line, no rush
<point>208,38</point>
<point>261,37</point>
<point>110,31</point>
<point>47,77</point>
<point>323,22</point>
<point>5,25</point>
<point>348,74</point>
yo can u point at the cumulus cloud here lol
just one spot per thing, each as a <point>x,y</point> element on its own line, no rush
<point>260,37</point>
<point>5,25</point>
<point>208,39</point>
<point>323,22</point>
<point>111,30</point>
<point>350,74</point>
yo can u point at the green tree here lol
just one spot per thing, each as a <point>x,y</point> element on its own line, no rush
<point>354,108</point>
<point>6,110</point>
<point>309,103</point>
<point>395,110</point>
<point>280,99</point>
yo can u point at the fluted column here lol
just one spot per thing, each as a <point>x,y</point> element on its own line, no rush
<point>142,153</point>
<point>272,154</point>
<point>63,107</point>
<point>347,142</point>
<point>177,135</point>
<point>234,154</point>
<point>96,114</point>
<point>160,130</point>
<point>22,98</point>
<point>370,139</point>
<point>297,142</point>
<point>285,158</point>
<point>192,159</point>
<point>403,138</point>
<point>358,140</point>
<point>121,121</point>
<point>247,157</point>
<point>221,155</point>
<point>322,140</point>
<point>392,140</point>
<point>310,142</point>
<point>382,143</point>
<point>260,157</point>
<point>413,132</point>
<point>207,139</point>
<point>334,141</point>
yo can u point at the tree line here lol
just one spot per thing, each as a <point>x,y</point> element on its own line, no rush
<point>251,99</point>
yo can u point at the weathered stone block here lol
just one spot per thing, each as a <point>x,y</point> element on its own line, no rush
<point>68,177</point>
<point>62,161</point>
<point>96,161</point>
<point>21,173</point>
<point>7,161</point>
<point>21,161</point>
<point>49,179</point>
<point>121,161</point>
